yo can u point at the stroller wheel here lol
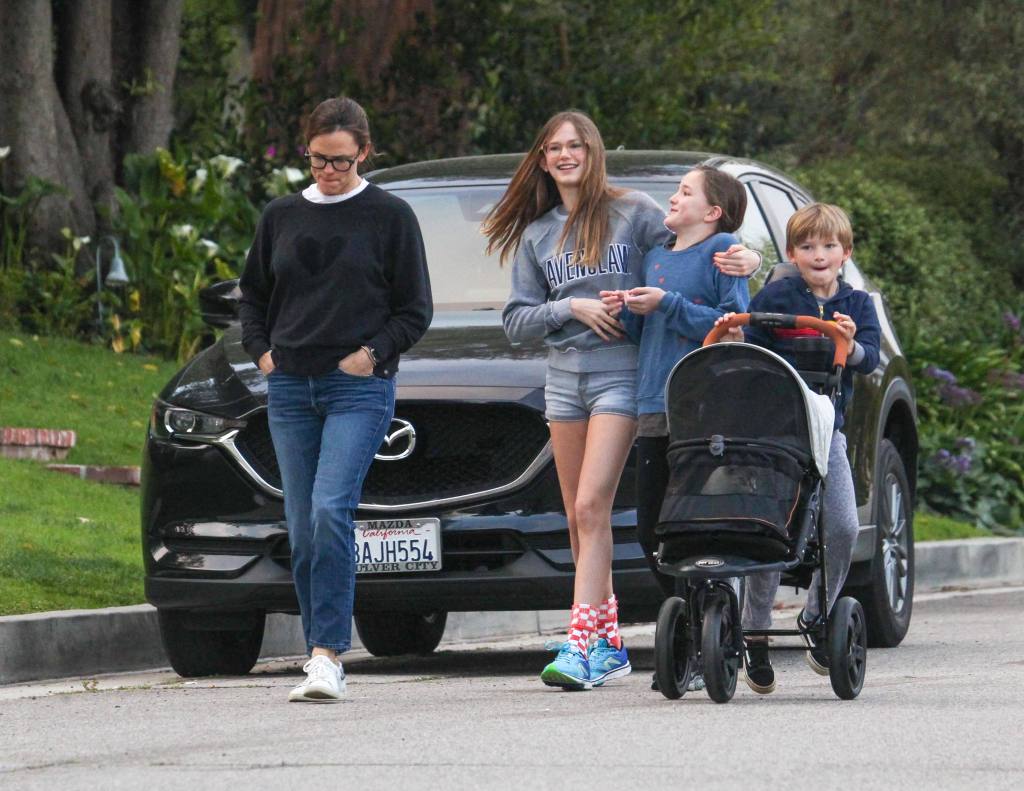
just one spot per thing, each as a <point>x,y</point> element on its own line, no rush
<point>847,648</point>
<point>673,659</point>
<point>721,655</point>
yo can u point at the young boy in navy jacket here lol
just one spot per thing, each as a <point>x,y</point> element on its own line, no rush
<point>819,239</point>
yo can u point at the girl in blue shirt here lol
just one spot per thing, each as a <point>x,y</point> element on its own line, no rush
<point>684,293</point>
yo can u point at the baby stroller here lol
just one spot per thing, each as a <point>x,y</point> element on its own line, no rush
<point>748,448</point>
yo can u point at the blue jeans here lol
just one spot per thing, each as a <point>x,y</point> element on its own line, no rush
<point>326,430</point>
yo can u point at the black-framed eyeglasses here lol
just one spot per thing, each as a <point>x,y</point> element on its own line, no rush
<point>340,164</point>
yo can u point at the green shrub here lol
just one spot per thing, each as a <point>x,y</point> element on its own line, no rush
<point>971,403</point>
<point>183,225</point>
<point>919,253</point>
<point>940,259</point>
<point>16,212</point>
<point>21,267</point>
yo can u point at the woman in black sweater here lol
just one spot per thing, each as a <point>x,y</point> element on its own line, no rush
<point>335,288</point>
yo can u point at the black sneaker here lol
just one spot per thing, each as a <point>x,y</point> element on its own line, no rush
<point>817,653</point>
<point>759,673</point>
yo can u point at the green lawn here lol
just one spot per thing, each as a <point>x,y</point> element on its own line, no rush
<point>67,543</point>
<point>105,397</point>
<point>932,527</point>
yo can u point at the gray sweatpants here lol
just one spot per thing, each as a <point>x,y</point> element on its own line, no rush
<point>839,515</point>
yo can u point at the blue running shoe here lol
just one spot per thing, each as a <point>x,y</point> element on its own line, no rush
<point>570,670</point>
<point>608,662</point>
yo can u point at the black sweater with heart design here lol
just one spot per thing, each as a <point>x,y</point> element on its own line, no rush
<point>323,279</point>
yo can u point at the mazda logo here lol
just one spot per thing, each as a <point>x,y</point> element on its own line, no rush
<point>398,442</point>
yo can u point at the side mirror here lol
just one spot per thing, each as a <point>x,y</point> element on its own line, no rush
<point>218,304</point>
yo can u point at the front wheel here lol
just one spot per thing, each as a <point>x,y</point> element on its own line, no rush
<point>673,660</point>
<point>847,648</point>
<point>211,644</point>
<point>721,655</point>
<point>395,633</point>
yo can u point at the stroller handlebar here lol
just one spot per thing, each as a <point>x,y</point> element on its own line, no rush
<point>783,321</point>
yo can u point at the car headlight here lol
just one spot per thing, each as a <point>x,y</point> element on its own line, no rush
<point>171,422</point>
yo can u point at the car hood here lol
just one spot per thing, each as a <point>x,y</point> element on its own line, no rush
<point>462,355</point>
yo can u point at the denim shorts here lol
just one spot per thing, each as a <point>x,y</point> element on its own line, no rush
<point>573,396</point>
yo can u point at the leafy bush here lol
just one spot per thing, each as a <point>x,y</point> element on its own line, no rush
<point>183,225</point>
<point>971,403</point>
<point>20,266</point>
<point>937,255</point>
<point>918,251</point>
<point>16,212</point>
<point>39,293</point>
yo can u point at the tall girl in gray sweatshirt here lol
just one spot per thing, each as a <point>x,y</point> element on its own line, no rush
<point>571,235</point>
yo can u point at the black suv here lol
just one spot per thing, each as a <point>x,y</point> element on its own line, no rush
<point>467,465</point>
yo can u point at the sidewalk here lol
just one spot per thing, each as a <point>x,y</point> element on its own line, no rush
<point>88,642</point>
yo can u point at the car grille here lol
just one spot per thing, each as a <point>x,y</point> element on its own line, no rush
<point>460,449</point>
<point>463,551</point>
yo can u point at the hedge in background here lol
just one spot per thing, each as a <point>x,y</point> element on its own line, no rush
<point>936,254</point>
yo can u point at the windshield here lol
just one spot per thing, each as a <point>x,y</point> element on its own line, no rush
<point>464,277</point>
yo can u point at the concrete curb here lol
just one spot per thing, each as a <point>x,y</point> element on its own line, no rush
<point>90,642</point>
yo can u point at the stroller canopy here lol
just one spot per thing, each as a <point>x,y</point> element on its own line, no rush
<point>740,390</point>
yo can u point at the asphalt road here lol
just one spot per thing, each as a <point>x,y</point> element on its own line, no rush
<point>941,711</point>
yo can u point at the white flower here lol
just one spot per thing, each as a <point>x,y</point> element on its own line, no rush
<point>4,152</point>
<point>294,175</point>
<point>279,182</point>
<point>199,179</point>
<point>78,242</point>
<point>212,248</point>
<point>226,165</point>
<point>183,231</point>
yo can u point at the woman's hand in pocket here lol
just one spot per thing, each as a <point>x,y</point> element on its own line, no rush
<point>267,364</point>
<point>357,363</point>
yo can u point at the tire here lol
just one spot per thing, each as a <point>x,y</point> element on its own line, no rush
<point>214,644</point>
<point>721,659</point>
<point>396,633</point>
<point>673,659</point>
<point>888,597</point>
<point>847,648</point>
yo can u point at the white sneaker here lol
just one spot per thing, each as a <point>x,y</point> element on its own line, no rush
<point>325,682</point>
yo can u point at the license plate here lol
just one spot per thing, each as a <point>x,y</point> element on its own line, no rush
<point>389,545</point>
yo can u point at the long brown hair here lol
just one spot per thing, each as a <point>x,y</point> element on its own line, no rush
<point>532,193</point>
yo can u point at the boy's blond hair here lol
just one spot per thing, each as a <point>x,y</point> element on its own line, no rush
<point>819,221</point>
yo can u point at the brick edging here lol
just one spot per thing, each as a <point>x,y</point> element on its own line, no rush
<point>47,437</point>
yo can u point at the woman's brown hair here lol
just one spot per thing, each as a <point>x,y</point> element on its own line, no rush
<point>340,115</point>
<point>532,193</point>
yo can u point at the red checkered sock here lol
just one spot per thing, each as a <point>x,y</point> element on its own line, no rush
<point>608,622</point>
<point>582,624</point>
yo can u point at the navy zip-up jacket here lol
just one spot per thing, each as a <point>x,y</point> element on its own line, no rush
<point>791,295</point>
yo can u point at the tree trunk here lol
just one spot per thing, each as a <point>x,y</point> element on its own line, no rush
<point>85,77</point>
<point>157,29</point>
<point>34,124</point>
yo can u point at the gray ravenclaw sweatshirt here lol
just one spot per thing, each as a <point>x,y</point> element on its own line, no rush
<point>545,278</point>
